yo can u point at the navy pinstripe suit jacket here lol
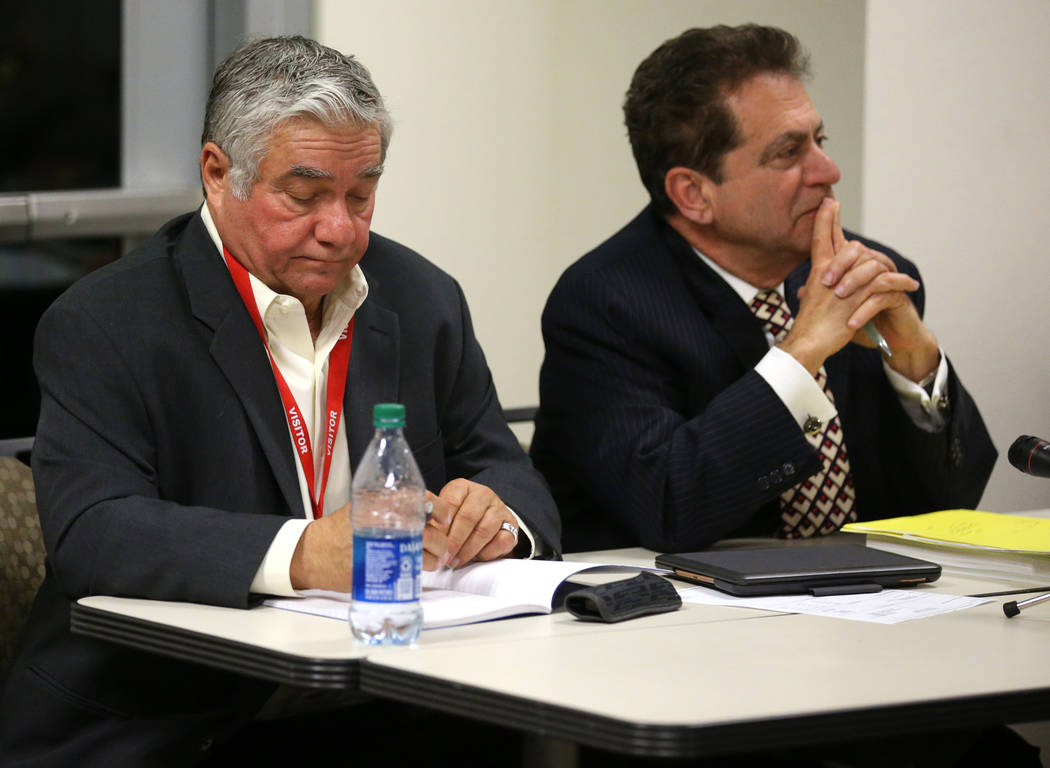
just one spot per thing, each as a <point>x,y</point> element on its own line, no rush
<point>654,428</point>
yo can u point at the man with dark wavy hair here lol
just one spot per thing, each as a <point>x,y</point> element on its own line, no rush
<point>708,370</point>
<point>708,373</point>
<point>204,400</point>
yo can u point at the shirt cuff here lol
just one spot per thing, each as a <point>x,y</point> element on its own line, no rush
<point>795,387</point>
<point>534,549</point>
<point>927,408</point>
<point>274,576</point>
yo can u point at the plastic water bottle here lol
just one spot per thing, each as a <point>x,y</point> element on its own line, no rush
<point>388,519</point>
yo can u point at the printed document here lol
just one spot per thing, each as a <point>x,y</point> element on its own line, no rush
<point>890,606</point>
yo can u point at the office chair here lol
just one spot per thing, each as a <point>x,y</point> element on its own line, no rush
<point>21,548</point>
<point>18,447</point>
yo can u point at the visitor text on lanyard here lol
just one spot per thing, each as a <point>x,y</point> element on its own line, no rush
<point>338,363</point>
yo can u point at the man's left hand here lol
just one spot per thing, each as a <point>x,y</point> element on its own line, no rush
<point>915,350</point>
<point>475,515</point>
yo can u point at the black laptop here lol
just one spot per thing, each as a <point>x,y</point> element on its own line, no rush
<point>817,570</point>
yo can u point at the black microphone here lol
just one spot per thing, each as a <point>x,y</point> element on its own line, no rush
<point>1031,455</point>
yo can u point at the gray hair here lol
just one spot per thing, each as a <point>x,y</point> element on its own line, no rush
<point>267,82</point>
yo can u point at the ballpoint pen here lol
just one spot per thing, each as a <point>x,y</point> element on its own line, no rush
<point>875,336</point>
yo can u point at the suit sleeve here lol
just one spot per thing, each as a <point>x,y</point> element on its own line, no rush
<point>946,469</point>
<point>478,443</point>
<point>106,527</point>
<point>680,463</point>
<point>923,471</point>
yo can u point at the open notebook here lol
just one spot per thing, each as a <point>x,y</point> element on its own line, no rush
<point>474,593</point>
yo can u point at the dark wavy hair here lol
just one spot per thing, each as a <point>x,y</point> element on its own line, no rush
<point>675,108</point>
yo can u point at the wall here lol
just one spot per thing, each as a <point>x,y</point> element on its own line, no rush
<point>956,175</point>
<point>510,158</point>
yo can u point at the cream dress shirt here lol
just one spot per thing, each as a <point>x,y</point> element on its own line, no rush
<point>304,365</point>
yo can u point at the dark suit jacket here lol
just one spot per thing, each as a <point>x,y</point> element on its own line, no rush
<point>163,470</point>
<point>654,429</point>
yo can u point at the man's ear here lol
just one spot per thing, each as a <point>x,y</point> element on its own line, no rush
<point>691,192</point>
<point>215,171</point>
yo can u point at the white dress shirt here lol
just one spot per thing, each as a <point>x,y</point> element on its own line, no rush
<point>802,396</point>
<point>304,365</point>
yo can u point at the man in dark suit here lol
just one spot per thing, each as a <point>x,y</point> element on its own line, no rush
<point>680,401</point>
<point>166,459</point>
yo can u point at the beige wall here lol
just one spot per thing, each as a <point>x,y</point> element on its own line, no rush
<point>957,177</point>
<point>510,158</point>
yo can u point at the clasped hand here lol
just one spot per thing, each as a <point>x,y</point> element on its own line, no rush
<point>849,285</point>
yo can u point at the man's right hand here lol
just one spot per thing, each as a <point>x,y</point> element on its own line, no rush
<point>323,558</point>
<point>849,284</point>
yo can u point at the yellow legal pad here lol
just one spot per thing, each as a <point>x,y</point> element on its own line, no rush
<point>966,527</point>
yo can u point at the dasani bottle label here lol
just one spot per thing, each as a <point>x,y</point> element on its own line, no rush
<point>386,569</point>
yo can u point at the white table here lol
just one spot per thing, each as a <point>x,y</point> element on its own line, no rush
<point>701,680</point>
<point>687,688</point>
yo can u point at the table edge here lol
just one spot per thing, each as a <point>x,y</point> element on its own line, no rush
<point>219,653</point>
<point>671,740</point>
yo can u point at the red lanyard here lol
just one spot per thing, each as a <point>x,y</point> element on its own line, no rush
<point>338,364</point>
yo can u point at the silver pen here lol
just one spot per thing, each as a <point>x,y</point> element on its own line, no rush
<point>875,336</point>
<point>1013,608</point>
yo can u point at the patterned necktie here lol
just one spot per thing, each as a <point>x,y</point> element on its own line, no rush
<point>827,500</point>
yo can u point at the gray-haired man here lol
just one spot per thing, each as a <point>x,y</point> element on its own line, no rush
<point>175,385</point>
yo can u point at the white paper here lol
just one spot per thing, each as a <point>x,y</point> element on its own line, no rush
<point>890,606</point>
<point>320,602</point>
<point>1031,567</point>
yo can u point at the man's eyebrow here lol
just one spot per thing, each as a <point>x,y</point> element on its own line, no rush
<point>786,139</point>
<point>308,172</point>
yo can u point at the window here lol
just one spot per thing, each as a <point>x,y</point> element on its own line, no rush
<point>102,105</point>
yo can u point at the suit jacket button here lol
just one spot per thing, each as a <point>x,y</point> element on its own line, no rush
<point>788,469</point>
<point>775,477</point>
<point>763,483</point>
